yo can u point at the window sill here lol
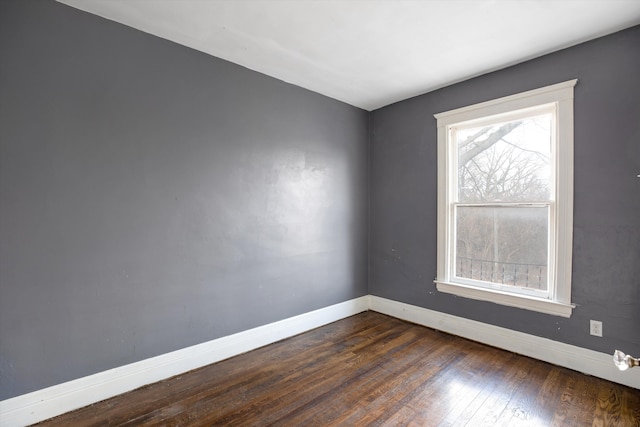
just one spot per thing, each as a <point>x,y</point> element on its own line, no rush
<point>520,301</point>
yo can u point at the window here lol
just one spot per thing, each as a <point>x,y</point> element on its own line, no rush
<point>505,200</point>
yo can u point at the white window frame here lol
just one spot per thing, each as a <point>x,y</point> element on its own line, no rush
<point>558,300</point>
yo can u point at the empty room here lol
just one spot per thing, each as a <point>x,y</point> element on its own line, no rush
<point>320,212</point>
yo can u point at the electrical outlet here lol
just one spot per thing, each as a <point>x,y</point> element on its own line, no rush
<point>596,328</point>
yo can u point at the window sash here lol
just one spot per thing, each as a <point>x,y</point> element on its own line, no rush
<point>550,252</point>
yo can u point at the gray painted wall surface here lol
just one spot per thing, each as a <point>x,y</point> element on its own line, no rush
<point>606,258</point>
<point>154,197</point>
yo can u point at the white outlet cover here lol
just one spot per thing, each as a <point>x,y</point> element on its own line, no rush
<point>595,328</point>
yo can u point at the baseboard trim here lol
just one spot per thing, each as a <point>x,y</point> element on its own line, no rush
<point>569,356</point>
<point>56,400</point>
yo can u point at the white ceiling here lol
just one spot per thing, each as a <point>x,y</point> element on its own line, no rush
<point>371,53</point>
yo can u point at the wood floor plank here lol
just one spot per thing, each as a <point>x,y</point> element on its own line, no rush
<point>319,387</point>
<point>447,384</point>
<point>501,392</point>
<point>364,375</point>
<point>566,401</point>
<point>549,399</point>
<point>486,389</point>
<point>370,369</point>
<point>378,384</point>
<point>476,390</point>
<point>631,406</point>
<point>518,410</point>
<point>451,388</point>
<point>582,406</point>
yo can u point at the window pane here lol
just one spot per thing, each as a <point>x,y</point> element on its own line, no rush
<point>505,162</point>
<point>505,245</point>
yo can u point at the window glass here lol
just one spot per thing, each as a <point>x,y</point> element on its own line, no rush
<point>505,162</point>
<point>503,245</point>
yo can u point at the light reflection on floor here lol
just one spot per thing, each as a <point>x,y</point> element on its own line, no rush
<point>460,393</point>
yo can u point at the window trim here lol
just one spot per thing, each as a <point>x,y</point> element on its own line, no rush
<point>559,302</point>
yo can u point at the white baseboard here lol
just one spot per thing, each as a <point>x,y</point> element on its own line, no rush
<point>56,400</point>
<point>59,399</point>
<point>577,358</point>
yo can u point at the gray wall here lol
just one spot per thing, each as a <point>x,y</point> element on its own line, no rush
<point>606,259</point>
<point>154,197</point>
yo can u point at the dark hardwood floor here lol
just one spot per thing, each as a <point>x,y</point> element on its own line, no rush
<point>371,369</point>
